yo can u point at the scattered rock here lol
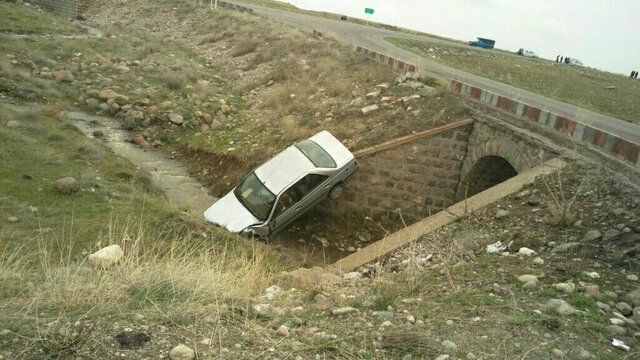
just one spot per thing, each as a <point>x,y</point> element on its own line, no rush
<point>538,261</point>
<point>354,275</point>
<point>367,109</point>
<point>63,76</point>
<point>98,133</point>
<point>526,278</point>
<point>406,99</point>
<point>501,213</point>
<point>529,285</point>
<point>176,118</point>
<point>67,185</point>
<point>564,247</point>
<point>584,355</point>
<point>107,94</point>
<point>106,257</point>
<point>592,291</point>
<point>632,277</point>
<point>12,219</point>
<point>343,311</point>
<point>610,234</point>
<point>602,306</point>
<point>138,139</point>
<point>526,251</point>
<point>560,307</point>
<point>592,235</point>
<point>634,297</point>
<point>567,288</point>
<point>618,211</point>
<point>266,311</point>
<point>449,345</point>
<point>624,308</point>
<point>616,330</point>
<point>12,124</point>
<point>283,331</point>
<point>383,315</point>
<point>374,93</point>
<point>558,353</point>
<point>182,352</point>
<point>592,274</point>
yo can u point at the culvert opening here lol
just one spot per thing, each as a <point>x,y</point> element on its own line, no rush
<point>487,172</point>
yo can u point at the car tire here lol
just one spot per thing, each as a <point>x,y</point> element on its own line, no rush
<point>336,191</point>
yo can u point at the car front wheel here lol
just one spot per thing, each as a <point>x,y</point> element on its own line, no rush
<point>336,191</point>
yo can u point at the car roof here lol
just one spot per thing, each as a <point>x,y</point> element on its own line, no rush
<point>334,147</point>
<point>291,164</point>
<point>283,169</point>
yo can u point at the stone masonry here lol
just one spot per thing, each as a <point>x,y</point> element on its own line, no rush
<point>417,178</point>
<point>495,154</point>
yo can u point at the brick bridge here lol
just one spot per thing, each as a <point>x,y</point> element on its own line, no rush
<point>423,173</point>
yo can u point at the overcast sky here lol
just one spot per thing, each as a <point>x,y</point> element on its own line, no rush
<point>602,33</point>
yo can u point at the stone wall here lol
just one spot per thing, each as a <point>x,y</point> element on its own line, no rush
<point>495,154</point>
<point>68,8</point>
<point>583,132</point>
<point>417,178</point>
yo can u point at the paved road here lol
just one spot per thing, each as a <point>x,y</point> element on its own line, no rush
<point>373,38</point>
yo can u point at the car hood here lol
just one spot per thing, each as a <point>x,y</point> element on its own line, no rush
<point>229,213</point>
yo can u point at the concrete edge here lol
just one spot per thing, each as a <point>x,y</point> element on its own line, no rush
<point>610,143</point>
<point>387,60</point>
<point>412,233</point>
<point>409,138</point>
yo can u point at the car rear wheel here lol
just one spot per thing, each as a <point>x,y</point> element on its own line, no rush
<point>336,191</point>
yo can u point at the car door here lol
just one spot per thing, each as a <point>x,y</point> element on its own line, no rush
<point>297,199</point>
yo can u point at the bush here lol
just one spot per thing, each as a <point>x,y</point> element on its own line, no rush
<point>243,47</point>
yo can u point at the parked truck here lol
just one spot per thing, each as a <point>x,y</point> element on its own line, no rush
<point>483,43</point>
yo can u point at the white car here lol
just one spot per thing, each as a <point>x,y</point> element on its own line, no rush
<point>285,187</point>
<point>575,62</point>
<point>530,54</point>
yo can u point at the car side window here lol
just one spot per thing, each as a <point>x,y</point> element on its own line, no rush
<point>298,191</point>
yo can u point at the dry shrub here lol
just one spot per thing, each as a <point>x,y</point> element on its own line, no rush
<point>174,80</point>
<point>193,73</point>
<point>211,39</point>
<point>417,341</point>
<point>292,131</point>
<point>183,269</point>
<point>244,46</point>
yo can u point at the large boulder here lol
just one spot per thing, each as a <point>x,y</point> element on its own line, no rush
<point>63,76</point>
<point>107,94</point>
<point>67,185</point>
<point>106,257</point>
<point>182,352</point>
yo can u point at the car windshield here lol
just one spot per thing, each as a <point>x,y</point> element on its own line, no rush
<point>255,197</point>
<point>318,156</point>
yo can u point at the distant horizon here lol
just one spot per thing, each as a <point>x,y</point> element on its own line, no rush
<point>600,33</point>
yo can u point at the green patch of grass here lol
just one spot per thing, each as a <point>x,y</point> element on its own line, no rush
<point>29,19</point>
<point>549,293</point>
<point>583,302</point>
<point>384,295</point>
<point>584,87</point>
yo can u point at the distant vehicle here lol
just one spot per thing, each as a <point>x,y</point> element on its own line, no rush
<point>343,17</point>
<point>527,53</point>
<point>285,187</point>
<point>575,62</point>
<point>483,43</point>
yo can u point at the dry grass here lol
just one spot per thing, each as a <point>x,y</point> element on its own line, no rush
<point>174,80</point>
<point>243,46</point>
<point>182,270</point>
